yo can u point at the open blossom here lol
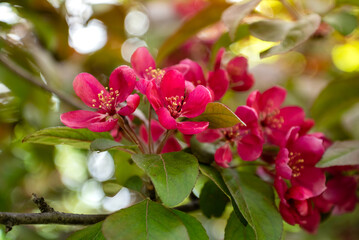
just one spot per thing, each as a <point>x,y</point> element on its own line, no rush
<point>109,104</point>
<point>172,100</point>
<point>157,132</point>
<point>245,137</point>
<point>296,162</point>
<point>239,77</point>
<point>274,119</point>
<point>145,69</point>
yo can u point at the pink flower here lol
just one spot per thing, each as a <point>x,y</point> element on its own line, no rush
<point>295,208</point>
<point>217,81</point>
<point>296,162</point>
<point>157,132</point>
<point>246,138</point>
<point>340,195</point>
<point>171,101</point>
<point>145,69</point>
<point>275,121</point>
<point>240,79</point>
<point>109,104</point>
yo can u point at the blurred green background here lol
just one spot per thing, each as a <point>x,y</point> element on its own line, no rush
<point>51,41</point>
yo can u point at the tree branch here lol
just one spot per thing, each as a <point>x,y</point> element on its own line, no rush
<point>36,82</point>
<point>11,219</point>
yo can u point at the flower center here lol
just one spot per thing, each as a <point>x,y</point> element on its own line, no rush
<point>156,74</point>
<point>174,105</point>
<point>106,101</point>
<point>296,163</point>
<point>234,133</point>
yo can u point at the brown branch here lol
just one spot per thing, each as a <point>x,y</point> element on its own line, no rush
<point>37,82</point>
<point>41,204</point>
<point>11,219</point>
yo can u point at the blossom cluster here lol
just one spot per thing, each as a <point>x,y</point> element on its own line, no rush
<point>181,92</point>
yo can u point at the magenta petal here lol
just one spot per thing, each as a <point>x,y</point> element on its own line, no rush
<point>250,147</point>
<point>340,189</point>
<point>311,222</point>
<point>241,83</point>
<point>281,187</point>
<point>272,99</point>
<point>87,87</point>
<point>171,145</point>
<point>86,119</point>
<point>310,148</point>
<point>182,68</point>
<point>218,82</point>
<point>81,118</point>
<point>189,128</point>
<point>209,135</point>
<point>291,116</point>
<point>172,84</point>
<point>154,96</point>
<point>157,130</point>
<point>237,66</point>
<point>217,64</point>
<point>223,156</point>
<point>141,60</point>
<point>281,164</point>
<point>196,102</point>
<point>286,213</point>
<point>122,80</point>
<point>299,193</point>
<point>248,115</point>
<point>108,125</point>
<point>165,118</point>
<point>253,100</point>
<point>194,73</point>
<point>143,133</point>
<point>132,103</point>
<point>312,179</point>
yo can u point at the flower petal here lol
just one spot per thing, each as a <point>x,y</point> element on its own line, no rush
<point>310,148</point>
<point>272,99</point>
<point>154,96</point>
<point>192,127</point>
<point>196,102</point>
<point>123,80</point>
<point>209,135</point>
<point>248,115</point>
<point>250,147</point>
<point>141,60</point>
<point>312,179</point>
<point>218,81</point>
<point>223,156</point>
<point>86,119</point>
<point>281,164</point>
<point>87,87</point>
<point>194,73</point>
<point>172,84</point>
<point>165,118</point>
<point>132,103</point>
<point>171,145</point>
<point>157,130</point>
<point>241,83</point>
<point>217,64</point>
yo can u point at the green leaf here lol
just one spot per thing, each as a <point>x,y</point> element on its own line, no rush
<point>204,152</point>
<point>145,220</point>
<point>342,21</point>
<point>255,200</point>
<point>190,27</point>
<point>218,116</point>
<point>270,30</point>
<point>351,2</point>
<point>194,227</point>
<point>111,187</point>
<point>340,154</point>
<point>297,34</point>
<point>333,101</point>
<point>213,174</point>
<point>92,232</point>
<point>173,174</point>
<point>236,230</point>
<point>105,144</point>
<point>80,138</point>
<point>212,200</point>
<point>134,183</point>
<point>233,15</point>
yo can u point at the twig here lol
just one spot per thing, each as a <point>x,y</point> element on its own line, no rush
<point>41,204</point>
<point>12,219</point>
<point>36,82</point>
